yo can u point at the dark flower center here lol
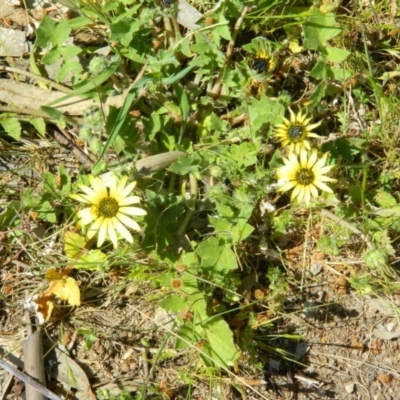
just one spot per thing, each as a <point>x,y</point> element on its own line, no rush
<point>108,208</point>
<point>305,176</point>
<point>167,3</point>
<point>260,65</point>
<point>296,133</point>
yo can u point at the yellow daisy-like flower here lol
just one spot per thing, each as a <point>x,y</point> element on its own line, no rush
<point>110,209</point>
<point>294,132</point>
<point>305,174</point>
<point>255,87</point>
<point>263,62</point>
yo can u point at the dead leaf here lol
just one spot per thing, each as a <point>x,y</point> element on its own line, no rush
<point>68,372</point>
<point>67,290</point>
<point>63,286</point>
<point>41,306</point>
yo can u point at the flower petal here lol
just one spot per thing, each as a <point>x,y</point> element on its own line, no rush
<point>102,231</point>
<point>120,228</point>
<point>132,211</point>
<point>323,187</point>
<point>80,197</point>
<point>129,200</point>
<point>129,222</point>
<point>86,215</point>
<point>111,232</point>
<point>287,186</point>
<point>94,229</point>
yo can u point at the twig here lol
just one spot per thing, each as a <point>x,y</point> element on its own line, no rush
<point>28,380</point>
<point>229,52</point>
<point>39,78</point>
<point>17,110</point>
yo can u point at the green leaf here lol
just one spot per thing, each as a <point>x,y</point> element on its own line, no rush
<point>50,182</point>
<point>39,125</point>
<point>220,346</point>
<point>74,245</point>
<point>318,29</point>
<point>122,31</point>
<point>183,102</point>
<point>123,114</point>
<point>211,123</point>
<point>186,164</point>
<point>321,70</point>
<point>46,212</point>
<point>376,259</point>
<point>173,303</point>
<point>52,33</point>
<point>52,56</point>
<point>65,180</point>
<point>12,126</point>
<point>10,216</point>
<point>263,111</point>
<point>79,22</point>
<point>241,231</point>
<point>177,77</point>
<point>52,112</point>
<point>336,55</point>
<point>93,260</point>
<point>318,94</point>
<point>385,199</point>
<point>221,225</point>
<point>244,154</point>
<point>341,74</point>
<point>216,256</point>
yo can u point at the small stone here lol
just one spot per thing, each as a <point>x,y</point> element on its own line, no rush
<point>316,267</point>
<point>349,388</point>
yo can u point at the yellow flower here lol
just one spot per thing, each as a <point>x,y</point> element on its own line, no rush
<point>305,174</point>
<point>110,209</point>
<point>263,62</point>
<point>294,132</point>
<point>255,87</point>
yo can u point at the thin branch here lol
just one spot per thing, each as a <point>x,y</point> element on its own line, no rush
<point>39,78</point>
<point>28,380</point>
<point>229,52</point>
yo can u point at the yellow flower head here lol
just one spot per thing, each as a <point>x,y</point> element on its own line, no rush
<point>263,62</point>
<point>305,174</point>
<point>294,132</point>
<point>110,209</point>
<point>255,87</point>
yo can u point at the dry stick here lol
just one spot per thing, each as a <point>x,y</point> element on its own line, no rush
<point>39,78</point>
<point>168,30</point>
<point>28,380</point>
<point>29,111</point>
<point>229,52</point>
<point>32,348</point>
<point>65,139</point>
<point>33,364</point>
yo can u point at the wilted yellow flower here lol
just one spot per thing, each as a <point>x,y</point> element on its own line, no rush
<point>305,174</point>
<point>110,209</point>
<point>294,132</point>
<point>263,62</point>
